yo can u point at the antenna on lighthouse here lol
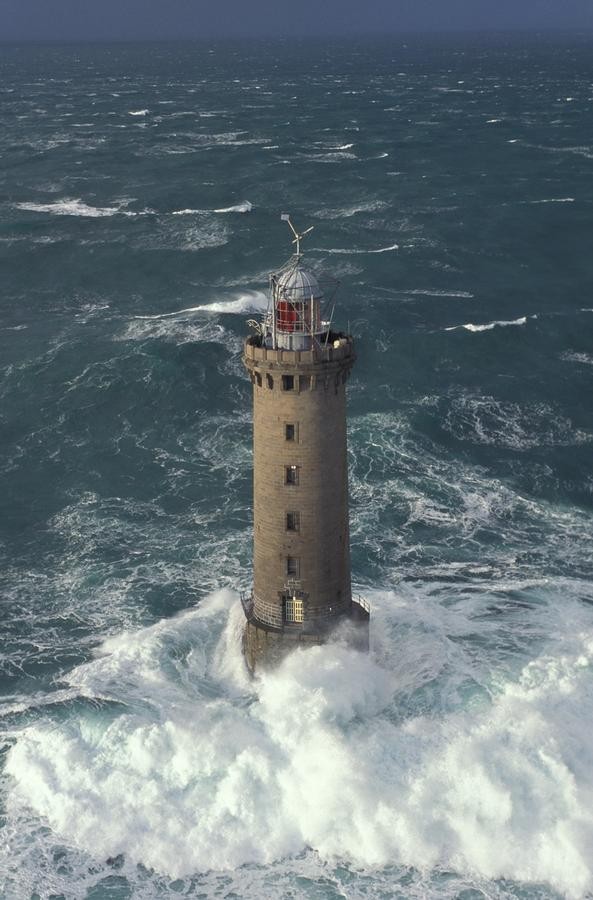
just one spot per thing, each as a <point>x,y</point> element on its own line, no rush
<point>285,217</point>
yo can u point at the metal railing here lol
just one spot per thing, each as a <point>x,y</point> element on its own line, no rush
<point>362,602</point>
<point>247,603</point>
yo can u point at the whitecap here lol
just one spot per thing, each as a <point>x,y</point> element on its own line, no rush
<point>70,207</point>
<point>331,156</point>
<point>488,326</point>
<point>138,112</point>
<point>436,293</point>
<point>585,151</point>
<point>347,212</point>
<point>243,207</point>
<point>319,754</point>
<point>77,207</point>
<point>574,356</point>
<point>555,200</point>
<point>385,249</point>
<point>249,301</point>
<point>344,251</point>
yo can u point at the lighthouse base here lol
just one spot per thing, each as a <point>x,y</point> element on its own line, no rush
<point>264,647</point>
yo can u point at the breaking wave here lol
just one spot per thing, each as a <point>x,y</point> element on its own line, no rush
<point>249,301</point>
<point>355,251</point>
<point>320,754</point>
<point>243,207</point>
<point>488,326</point>
<point>75,207</point>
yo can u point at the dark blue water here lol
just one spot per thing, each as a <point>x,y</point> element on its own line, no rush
<point>450,182</point>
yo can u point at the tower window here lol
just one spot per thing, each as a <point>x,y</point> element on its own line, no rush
<point>293,521</point>
<point>289,432</point>
<point>288,382</point>
<point>293,566</point>
<point>292,475</point>
<point>304,383</point>
<point>269,381</point>
<point>293,609</point>
<point>258,378</point>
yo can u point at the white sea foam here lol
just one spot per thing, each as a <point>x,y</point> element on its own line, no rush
<point>385,249</point>
<point>70,207</point>
<point>585,151</point>
<point>349,211</point>
<point>318,755</point>
<point>488,326</point>
<point>203,232</point>
<point>436,293</point>
<point>555,200</point>
<point>77,207</point>
<point>138,112</point>
<point>348,252</point>
<point>243,207</point>
<point>331,156</point>
<point>486,420</point>
<point>248,301</point>
<point>180,329</point>
<point>574,356</point>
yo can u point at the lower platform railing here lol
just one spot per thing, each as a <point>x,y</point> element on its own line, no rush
<point>362,602</point>
<point>248,602</point>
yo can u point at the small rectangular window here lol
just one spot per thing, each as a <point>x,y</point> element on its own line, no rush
<point>293,566</point>
<point>293,521</point>
<point>258,379</point>
<point>304,383</point>
<point>292,474</point>
<point>289,432</point>
<point>269,381</point>
<point>294,611</point>
<point>288,382</point>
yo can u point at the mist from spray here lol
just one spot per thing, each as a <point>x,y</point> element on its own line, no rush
<point>184,764</point>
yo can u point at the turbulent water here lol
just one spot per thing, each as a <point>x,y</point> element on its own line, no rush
<point>450,183</point>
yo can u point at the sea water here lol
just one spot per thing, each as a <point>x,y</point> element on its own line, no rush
<point>450,183</point>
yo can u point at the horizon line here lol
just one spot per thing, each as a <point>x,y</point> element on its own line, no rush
<point>519,30</point>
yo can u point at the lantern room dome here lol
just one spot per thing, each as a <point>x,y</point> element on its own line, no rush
<point>297,284</point>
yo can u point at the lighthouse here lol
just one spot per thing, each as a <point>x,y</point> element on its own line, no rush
<point>299,367</point>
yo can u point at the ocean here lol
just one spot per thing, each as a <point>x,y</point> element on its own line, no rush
<point>449,181</point>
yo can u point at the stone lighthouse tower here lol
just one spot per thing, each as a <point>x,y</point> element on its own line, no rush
<point>299,367</point>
